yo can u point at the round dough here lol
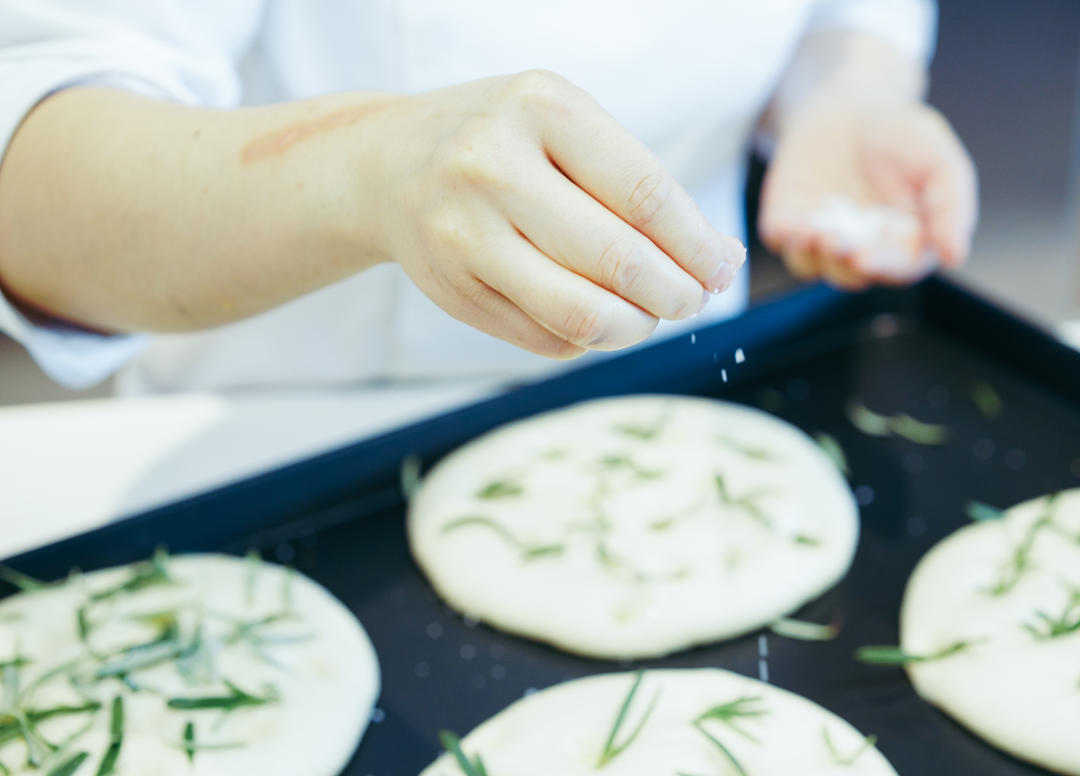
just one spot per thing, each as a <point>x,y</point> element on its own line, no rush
<point>319,662</point>
<point>1018,691</point>
<point>602,528</point>
<point>563,730</point>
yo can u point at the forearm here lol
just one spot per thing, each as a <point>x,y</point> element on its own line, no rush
<point>126,213</point>
<point>846,67</point>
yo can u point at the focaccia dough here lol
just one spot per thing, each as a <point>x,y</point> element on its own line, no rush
<point>1015,687</point>
<point>635,526</point>
<point>312,655</point>
<point>563,730</point>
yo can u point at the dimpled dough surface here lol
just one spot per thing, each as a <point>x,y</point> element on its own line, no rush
<point>563,730</point>
<point>635,526</point>
<point>1018,689</point>
<point>319,661</point>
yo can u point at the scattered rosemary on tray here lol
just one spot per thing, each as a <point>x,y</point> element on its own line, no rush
<point>982,513</point>
<point>804,631</point>
<point>987,399</point>
<point>612,749</point>
<point>900,425</point>
<point>895,656</point>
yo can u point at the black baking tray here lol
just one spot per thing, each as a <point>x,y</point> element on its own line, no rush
<point>339,517</point>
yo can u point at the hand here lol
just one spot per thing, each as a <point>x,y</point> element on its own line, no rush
<point>869,194</point>
<point>523,209</point>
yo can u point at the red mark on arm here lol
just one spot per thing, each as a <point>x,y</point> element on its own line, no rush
<point>281,140</point>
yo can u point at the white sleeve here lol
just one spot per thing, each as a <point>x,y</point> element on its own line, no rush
<point>185,50</point>
<point>910,25</point>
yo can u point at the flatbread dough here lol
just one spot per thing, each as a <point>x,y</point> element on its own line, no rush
<point>1016,686</point>
<point>635,526</point>
<point>563,730</point>
<point>269,632</point>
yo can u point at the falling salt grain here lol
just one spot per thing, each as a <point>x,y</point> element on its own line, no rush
<point>739,356</point>
<point>693,339</point>
<point>723,375</point>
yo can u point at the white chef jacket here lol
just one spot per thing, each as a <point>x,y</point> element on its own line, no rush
<point>688,77</point>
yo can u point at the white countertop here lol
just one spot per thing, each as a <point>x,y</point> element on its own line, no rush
<point>72,466</point>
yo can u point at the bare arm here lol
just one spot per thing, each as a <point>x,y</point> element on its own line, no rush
<point>515,203</point>
<point>123,212</point>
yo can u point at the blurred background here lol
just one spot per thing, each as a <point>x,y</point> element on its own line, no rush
<point>1007,74</point>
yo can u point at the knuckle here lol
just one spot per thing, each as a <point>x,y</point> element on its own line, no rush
<point>446,226</point>
<point>469,160</point>
<point>620,265</point>
<point>540,89</point>
<point>648,196</point>
<point>586,324</point>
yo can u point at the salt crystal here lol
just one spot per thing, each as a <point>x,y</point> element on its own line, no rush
<point>723,374</point>
<point>739,356</point>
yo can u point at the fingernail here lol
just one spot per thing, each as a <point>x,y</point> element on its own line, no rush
<point>721,279</point>
<point>736,253</point>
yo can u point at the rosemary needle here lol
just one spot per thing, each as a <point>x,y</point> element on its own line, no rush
<point>452,744</point>
<point>500,489</point>
<point>831,447</point>
<point>24,582</point>
<point>895,656</point>
<point>987,399</point>
<point>723,749</point>
<point>847,760</point>
<point>611,749</point>
<point>70,766</point>
<point>116,738</point>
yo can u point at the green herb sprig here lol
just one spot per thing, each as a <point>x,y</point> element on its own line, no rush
<point>742,708</point>
<point>148,574</point>
<point>751,452</point>
<point>901,425</point>
<point>497,489</point>
<point>747,503</point>
<point>235,699</point>
<point>528,551</point>
<point>848,760</point>
<point>1048,627</point>
<point>617,461</point>
<point>23,582</point>
<point>895,656</point>
<point>831,447</point>
<point>612,749</point>
<point>116,738</point>
<point>70,766</point>
<point>987,399</point>
<point>452,744</point>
